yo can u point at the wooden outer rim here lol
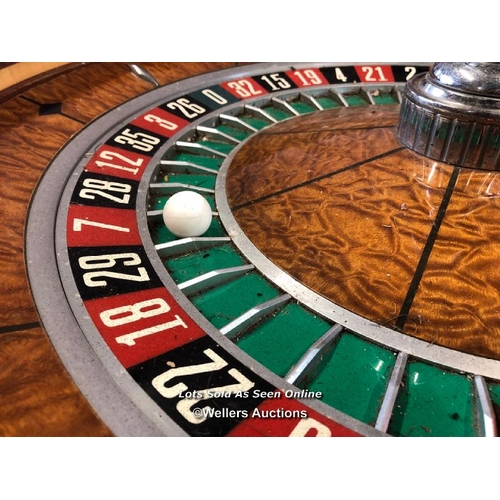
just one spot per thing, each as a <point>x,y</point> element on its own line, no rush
<point>19,76</point>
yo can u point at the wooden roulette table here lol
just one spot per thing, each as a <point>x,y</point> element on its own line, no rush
<point>347,286</point>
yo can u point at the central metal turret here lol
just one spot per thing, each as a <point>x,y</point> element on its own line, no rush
<point>452,114</point>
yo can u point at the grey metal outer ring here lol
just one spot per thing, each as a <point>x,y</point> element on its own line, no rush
<point>43,249</point>
<point>115,396</point>
<point>442,356</point>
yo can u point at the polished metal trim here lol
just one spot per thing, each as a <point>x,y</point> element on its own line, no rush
<point>216,134</point>
<point>260,113</point>
<point>181,167</point>
<point>338,98</point>
<point>487,419</point>
<point>174,187</point>
<point>391,393</point>
<point>143,74</point>
<point>236,122</point>
<point>368,96</point>
<point>213,279</point>
<point>183,245</point>
<point>284,106</point>
<point>454,110</point>
<point>196,147</point>
<point>250,317</point>
<point>312,357</point>
<point>311,100</point>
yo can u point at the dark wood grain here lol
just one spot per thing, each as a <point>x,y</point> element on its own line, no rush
<point>297,151</point>
<point>334,200</point>
<point>27,143</point>
<point>37,395</point>
<point>458,299</point>
<point>112,84</point>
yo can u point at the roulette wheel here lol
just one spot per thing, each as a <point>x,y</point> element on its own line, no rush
<point>346,286</point>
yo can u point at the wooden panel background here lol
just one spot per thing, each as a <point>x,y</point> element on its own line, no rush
<point>39,112</point>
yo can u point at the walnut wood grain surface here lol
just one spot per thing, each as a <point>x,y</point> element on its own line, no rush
<point>335,201</point>
<point>37,396</point>
<point>332,198</point>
